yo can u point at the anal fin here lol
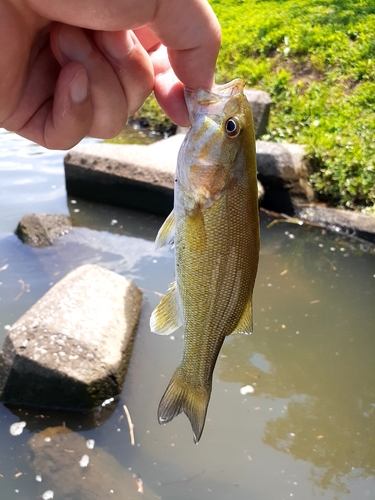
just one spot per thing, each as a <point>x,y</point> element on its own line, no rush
<point>167,317</point>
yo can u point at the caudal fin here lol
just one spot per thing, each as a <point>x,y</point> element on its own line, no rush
<point>182,397</point>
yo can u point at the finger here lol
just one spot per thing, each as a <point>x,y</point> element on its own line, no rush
<point>168,89</point>
<point>103,15</point>
<point>148,39</point>
<point>109,106</point>
<point>131,64</point>
<point>15,41</point>
<point>192,35</point>
<point>56,123</point>
<point>188,28</point>
<point>62,122</point>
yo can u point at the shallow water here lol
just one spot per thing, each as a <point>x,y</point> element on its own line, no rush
<point>306,431</point>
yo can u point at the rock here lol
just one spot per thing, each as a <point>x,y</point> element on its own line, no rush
<point>352,223</point>
<point>71,349</point>
<point>260,103</point>
<point>130,175</point>
<point>4,372</point>
<point>40,230</point>
<point>284,175</point>
<point>141,177</point>
<point>69,466</point>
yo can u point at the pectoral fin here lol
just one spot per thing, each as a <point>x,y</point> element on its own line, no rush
<point>245,325</point>
<point>167,317</point>
<point>166,232</point>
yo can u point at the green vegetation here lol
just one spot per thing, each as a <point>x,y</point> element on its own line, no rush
<point>317,60</point>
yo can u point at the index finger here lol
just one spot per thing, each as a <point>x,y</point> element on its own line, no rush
<point>191,32</point>
<point>188,28</point>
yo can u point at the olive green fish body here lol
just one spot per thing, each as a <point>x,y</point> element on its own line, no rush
<point>215,229</point>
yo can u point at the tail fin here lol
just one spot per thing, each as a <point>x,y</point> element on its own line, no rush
<point>182,397</point>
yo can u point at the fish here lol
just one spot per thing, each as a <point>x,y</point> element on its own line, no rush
<point>214,227</point>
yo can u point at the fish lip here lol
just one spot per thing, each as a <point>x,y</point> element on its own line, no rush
<point>235,86</point>
<point>217,91</point>
<point>195,98</point>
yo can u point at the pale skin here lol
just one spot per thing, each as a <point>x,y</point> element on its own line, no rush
<point>74,68</point>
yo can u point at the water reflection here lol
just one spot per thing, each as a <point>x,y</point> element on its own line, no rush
<point>310,419</point>
<point>313,350</point>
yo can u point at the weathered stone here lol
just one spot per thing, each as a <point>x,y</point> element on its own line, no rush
<point>71,349</point>
<point>352,223</point>
<point>284,174</point>
<point>40,230</point>
<point>260,103</point>
<point>127,175</point>
<point>71,469</point>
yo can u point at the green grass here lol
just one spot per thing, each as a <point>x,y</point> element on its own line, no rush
<point>317,60</point>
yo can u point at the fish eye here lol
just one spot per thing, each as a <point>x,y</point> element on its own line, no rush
<point>232,127</point>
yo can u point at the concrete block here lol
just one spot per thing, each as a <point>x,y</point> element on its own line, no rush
<point>127,175</point>
<point>282,169</point>
<point>71,349</point>
<point>340,221</point>
<point>132,175</point>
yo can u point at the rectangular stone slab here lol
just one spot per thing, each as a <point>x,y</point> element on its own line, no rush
<point>71,349</point>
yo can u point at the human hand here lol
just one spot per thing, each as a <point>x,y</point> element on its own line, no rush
<point>69,71</point>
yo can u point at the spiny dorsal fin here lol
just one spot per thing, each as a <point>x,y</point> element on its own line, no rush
<point>166,232</point>
<point>245,325</point>
<point>166,317</point>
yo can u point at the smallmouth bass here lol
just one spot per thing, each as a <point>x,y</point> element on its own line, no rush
<point>215,229</point>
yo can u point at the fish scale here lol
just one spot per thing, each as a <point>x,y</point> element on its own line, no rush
<point>215,228</point>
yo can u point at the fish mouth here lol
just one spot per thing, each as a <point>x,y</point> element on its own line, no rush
<point>206,97</point>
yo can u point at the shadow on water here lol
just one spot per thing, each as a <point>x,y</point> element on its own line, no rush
<point>304,430</point>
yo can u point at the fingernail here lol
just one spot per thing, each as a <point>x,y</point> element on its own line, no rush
<point>117,44</point>
<point>74,44</point>
<point>79,87</point>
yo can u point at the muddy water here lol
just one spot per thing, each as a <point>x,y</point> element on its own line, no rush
<point>305,429</point>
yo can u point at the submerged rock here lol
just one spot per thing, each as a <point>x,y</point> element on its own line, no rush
<point>40,230</point>
<point>74,468</point>
<point>71,349</point>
